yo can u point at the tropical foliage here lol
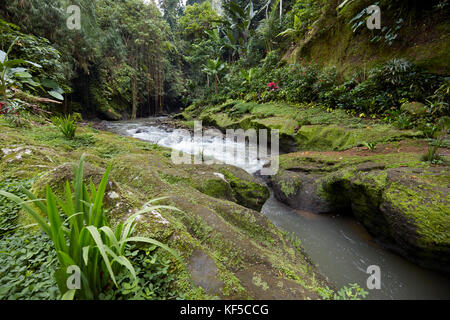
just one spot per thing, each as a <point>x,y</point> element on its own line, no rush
<point>81,236</point>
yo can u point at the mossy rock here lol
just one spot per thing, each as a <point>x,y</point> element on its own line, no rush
<point>417,209</point>
<point>239,237</point>
<point>305,127</point>
<point>415,109</point>
<point>215,186</point>
<point>247,190</point>
<point>403,203</point>
<point>337,138</point>
<point>286,126</point>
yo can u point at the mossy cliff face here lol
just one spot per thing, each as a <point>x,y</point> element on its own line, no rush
<point>231,250</point>
<point>422,39</point>
<point>401,201</point>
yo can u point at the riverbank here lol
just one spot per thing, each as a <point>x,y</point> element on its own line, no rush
<point>232,251</point>
<point>339,245</point>
<point>337,163</point>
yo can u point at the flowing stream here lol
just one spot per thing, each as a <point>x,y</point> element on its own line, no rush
<point>338,245</point>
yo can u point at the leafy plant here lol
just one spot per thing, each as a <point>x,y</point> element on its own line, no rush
<point>82,237</point>
<point>67,125</point>
<point>352,292</point>
<point>247,76</point>
<point>432,156</point>
<point>403,122</point>
<point>27,265</point>
<point>388,34</point>
<point>237,25</point>
<point>213,68</point>
<point>9,209</point>
<point>370,145</point>
<point>11,74</point>
<point>440,101</point>
<point>153,277</point>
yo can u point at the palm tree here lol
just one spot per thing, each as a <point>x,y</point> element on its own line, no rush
<point>213,68</point>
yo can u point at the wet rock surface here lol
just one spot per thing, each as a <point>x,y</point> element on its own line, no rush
<point>407,207</point>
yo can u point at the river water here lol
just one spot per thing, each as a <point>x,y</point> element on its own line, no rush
<point>338,245</point>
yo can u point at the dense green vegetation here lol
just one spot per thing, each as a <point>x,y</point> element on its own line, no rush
<point>130,60</point>
<point>309,68</point>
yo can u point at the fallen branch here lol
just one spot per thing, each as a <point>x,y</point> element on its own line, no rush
<point>32,99</point>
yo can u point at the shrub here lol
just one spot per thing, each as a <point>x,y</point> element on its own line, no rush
<point>440,100</point>
<point>432,155</point>
<point>67,125</point>
<point>385,87</point>
<point>370,145</point>
<point>403,122</point>
<point>82,237</point>
<point>353,292</point>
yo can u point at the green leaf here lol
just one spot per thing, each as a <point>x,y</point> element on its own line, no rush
<point>123,261</point>
<point>99,242</point>
<point>56,94</point>
<point>69,295</point>
<point>38,202</point>
<point>51,84</point>
<point>13,63</point>
<point>33,64</point>
<point>86,254</point>
<point>112,237</point>
<point>31,82</point>
<point>23,75</point>
<point>65,259</point>
<point>36,216</point>
<point>3,56</point>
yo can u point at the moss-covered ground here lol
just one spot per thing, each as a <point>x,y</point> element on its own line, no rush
<point>302,127</point>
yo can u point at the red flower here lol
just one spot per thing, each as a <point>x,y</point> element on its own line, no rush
<point>272,86</point>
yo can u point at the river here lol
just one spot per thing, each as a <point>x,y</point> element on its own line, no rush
<point>338,245</point>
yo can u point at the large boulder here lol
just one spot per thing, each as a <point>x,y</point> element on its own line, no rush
<point>405,207</point>
<point>415,109</point>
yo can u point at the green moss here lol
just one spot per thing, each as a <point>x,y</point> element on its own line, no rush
<point>427,206</point>
<point>216,188</point>
<point>291,187</point>
<point>307,127</point>
<point>284,125</point>
<point>248,192</point>
<point>349,51</point>
<point>333,137</point>
<point>173,179</point>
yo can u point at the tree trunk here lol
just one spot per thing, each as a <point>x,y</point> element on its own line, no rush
<point>134,97</point>
<point>161,90</point>
<point>216,85</point>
